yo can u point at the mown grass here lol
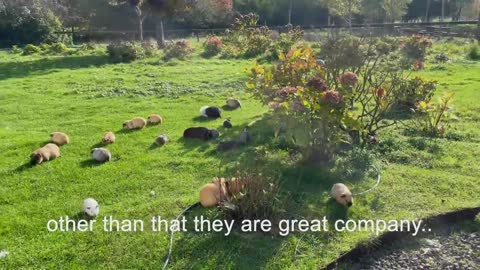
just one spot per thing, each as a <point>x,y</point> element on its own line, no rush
<point>86,96</point>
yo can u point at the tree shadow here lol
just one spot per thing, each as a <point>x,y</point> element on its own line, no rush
<point>399,112</point>
<point>48,65</point>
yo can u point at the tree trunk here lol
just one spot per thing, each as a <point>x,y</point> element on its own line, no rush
<point>160,32</point>
<point>290,8</point>
<point>478,27</point>
<point>427,13</point>
<point>140,28</point>
<point>443,10</point>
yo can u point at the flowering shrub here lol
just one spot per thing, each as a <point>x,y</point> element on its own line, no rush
<point>348,79</point>
<point>415,49</point>
<point>244,38</point>
<point>179,49</point>
<point>212,46</point>
<point>431,116</point>
<point>125,51</point>
<point>326,106</point>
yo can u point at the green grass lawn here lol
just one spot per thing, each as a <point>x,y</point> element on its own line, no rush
<point>85,96</point>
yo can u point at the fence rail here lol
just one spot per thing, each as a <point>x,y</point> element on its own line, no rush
<point>399,28</point>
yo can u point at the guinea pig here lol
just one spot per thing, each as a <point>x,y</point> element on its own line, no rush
<point>210,195</point>
<point>211,112</point>
<point>155,119</point>
<point>233,103</point>
<point>342,195</point>
<point>90,207</point>
<point>135,123</point>
<point>245,136</point>
<point>101,155</point>
<point>46,153</point>
<point>108,138</point>
<point>201,133</point>
<point>227,123</point>
<point>220,189</point>
<point>161,140</point>
<point>59,138</point>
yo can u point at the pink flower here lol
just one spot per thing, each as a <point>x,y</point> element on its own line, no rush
<point>380,92</point>
<point>332,97</point>
<point>287,91</point>
<point>297,106</point>
<point>348,79</point>
<point>318,84</point>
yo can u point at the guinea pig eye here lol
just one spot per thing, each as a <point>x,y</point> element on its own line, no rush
<point>343,196</point>
<point>88,208</point>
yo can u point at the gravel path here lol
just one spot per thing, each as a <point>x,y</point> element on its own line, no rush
<point>460,250</point>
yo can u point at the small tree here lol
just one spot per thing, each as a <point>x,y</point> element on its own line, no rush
<point>395,9</point>
<point>139,8</point>
<point>164,9</point>
<point>344,9</point>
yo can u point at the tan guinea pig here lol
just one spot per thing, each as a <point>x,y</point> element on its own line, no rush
<point>46,153</point>
<point>135,123</point>
<point>108,138</point>
<point>155,119</point>
<point>342,195</point>
<point>210,195</point>
<point>59,138</point>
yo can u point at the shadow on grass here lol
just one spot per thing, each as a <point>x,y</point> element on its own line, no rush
<point>154,146</point>
<point>203,119</point>
<point>24,167</point>
<point>48,65</point>
<point>89,163</point>
<point>306,186</point>
<point>227,108</point>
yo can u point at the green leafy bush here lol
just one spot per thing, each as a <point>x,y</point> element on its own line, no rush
<point>251,197</point>
<point>285,41</point>
<point>431,116</point>
<point>346,101</point>
<point>474,52</point>
<point>58,48</point>
<point>31,49</point>
<point>245,39</point>
<point>20,25</point>
<point>415,50</point>
<point>179,49</point>
<point>16,50</point>
<point>125,51</point>
<point>212,46</point>
<point>416,90</point>
<point>150,47</point>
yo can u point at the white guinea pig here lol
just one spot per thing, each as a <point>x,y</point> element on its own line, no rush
<point>90,207</point>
